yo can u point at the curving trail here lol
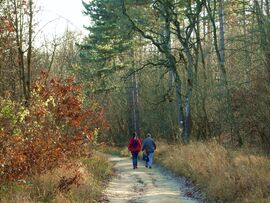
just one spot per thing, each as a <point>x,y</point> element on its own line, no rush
<point>143,185</point>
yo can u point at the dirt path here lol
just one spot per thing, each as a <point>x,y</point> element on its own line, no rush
<point>143,185</point>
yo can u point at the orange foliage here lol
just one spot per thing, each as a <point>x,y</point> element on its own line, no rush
<point>6,24</point>
<point>51,129</point>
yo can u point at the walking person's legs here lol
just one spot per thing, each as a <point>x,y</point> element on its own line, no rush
<point>146,158</point>
<point>150,162</point>
<point>135,159</point>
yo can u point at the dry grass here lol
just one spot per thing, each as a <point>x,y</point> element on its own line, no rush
<point>118,151</point>
<point>230,176</point>
<point>45,188</point>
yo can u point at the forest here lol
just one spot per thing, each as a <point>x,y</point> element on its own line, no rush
<point>190,72</point>
<point>181,70</point>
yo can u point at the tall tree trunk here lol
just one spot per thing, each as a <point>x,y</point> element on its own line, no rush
<point>135,104</point>
<point>173,70</point>
<point>130,106</point>
<point>133,101</point>
<point>264,28</point>
<point>29,51</point>
<point>267,8</point>
<point>247,55</point>
<point>189,89</point>
<point>19,43</point>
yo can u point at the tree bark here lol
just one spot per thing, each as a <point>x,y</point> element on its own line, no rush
<point>29,50</point>
<point>19,42</point>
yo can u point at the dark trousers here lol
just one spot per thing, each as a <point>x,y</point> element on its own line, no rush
<point>135,159</point>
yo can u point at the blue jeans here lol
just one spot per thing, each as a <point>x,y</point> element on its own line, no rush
<point>135,159</point>
<point>150,162</point>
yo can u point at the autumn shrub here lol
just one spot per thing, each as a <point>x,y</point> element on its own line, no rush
<point>53,127</point>
<point>227,175</point>
<point>79,180</point>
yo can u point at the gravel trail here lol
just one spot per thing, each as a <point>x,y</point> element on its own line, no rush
<point>145,185</point>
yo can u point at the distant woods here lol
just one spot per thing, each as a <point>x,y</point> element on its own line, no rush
<point>193,69</point>
<point>197,69</point>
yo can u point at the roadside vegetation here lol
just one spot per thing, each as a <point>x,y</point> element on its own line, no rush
<point>48,146</point>
<point>80,180</point>
<point>223,174</point>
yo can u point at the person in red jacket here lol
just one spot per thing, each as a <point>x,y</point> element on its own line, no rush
<point>134,146</point>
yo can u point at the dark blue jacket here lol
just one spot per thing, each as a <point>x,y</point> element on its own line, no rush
<point>149,145</point>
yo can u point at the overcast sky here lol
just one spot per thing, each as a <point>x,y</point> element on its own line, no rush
<point>63,13</point>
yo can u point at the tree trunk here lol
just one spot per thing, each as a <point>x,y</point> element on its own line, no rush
<point>247,55</point>
<point>19,41</point>
<point>29,50</point>
<point>173,71</point>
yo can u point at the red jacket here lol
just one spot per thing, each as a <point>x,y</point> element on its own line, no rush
<point>137,148</point>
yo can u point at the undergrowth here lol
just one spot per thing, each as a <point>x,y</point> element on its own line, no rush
<point>227,175</point>
<point>77,181</point>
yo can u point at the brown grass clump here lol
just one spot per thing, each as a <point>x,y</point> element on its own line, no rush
<point>78,181</point>
<point>231,176</point>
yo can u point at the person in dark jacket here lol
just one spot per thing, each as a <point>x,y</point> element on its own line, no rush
<point>149,148</point>
<point>134,146</point>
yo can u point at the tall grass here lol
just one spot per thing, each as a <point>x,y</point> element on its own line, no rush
<point>227,175</point>
<point>88,186</point>
<point>116,151</point>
